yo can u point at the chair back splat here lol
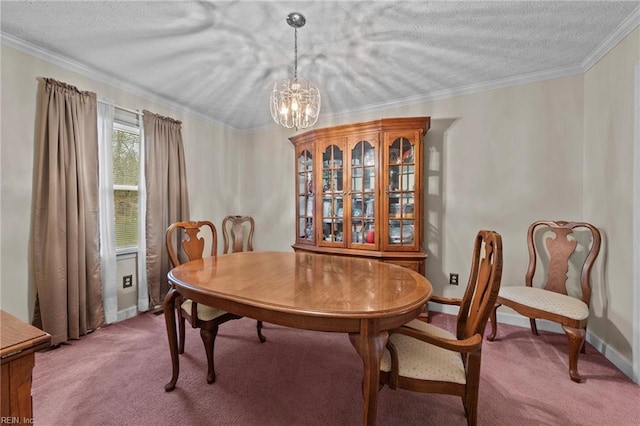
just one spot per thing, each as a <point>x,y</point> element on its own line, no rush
<point>559,250</point>
<point>192,240</point>
<point>237,233</point>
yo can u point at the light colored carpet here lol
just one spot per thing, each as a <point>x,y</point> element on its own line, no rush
<point>116,376</point>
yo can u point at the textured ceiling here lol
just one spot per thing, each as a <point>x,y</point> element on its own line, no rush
<point>220,59</point>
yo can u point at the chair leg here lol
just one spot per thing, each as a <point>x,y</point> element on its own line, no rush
<point>534,327</point>
<point>471,392</point>
<point>576,341</point>
<point>493,318</point>
<point>181,332</point>
<point>471,409</point>
<point>260,335</point>
<point>209,338</point>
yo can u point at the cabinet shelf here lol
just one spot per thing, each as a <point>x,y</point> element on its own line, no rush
<point>401,216</point>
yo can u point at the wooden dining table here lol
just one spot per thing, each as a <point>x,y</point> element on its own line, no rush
<point>362,297</point>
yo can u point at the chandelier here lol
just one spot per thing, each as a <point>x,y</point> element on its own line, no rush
<point>295,102</point>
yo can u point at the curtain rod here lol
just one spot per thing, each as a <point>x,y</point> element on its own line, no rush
<point>119,107</point>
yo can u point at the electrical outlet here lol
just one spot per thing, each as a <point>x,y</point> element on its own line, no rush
<point>453,279</point>
<point>127,281</point>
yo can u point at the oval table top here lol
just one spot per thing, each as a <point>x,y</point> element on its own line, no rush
<point>305,284</point>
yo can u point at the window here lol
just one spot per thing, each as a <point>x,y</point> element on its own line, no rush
<point>126,171</point>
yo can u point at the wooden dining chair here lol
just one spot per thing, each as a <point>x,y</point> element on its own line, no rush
<point>565,249</point>
<point>237,233</point>
<point>422,357</point>
<point>206,318</point>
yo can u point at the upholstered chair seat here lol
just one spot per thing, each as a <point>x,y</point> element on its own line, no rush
<point>204,312</point>
<point>443,365</point>
<point>548,301</point>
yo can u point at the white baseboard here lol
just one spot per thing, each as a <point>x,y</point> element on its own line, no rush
<point>127,313</point>
<point>623,364</point>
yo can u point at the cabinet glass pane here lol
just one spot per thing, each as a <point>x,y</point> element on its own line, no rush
<point>336,180</point>
<point>369,179</point>
<point>401,205</point>
<point>362,193</point>
<point>407,150</point>
<point>305,196</point>
<point>401,232</point>
<point>356,179</point>
<point>302,182</point>
<point>401,198</point>
<point>305,172</point>
<point>306,226</point>
<point>407,178</point>
<point>332,195</point>
<point>362,231</point>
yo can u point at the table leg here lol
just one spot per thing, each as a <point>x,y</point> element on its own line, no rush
<point>170,320</point>
<point>369,344</point>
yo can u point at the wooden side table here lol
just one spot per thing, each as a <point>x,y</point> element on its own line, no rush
<point>19,342</point>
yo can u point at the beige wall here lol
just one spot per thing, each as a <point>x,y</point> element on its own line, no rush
<point>608,187</point>
<point>209,151</point>
<point>498,159</point>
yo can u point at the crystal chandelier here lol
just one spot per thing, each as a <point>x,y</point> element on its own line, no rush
<point>295,102</point>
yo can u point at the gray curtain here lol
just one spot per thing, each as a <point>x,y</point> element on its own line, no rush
<point>167,198</point>
<point>65,255</point>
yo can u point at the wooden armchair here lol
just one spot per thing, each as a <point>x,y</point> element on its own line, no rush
<point>206,318</point>
<point>237,232</point>
<point>555,300</point>
<point>424,358</point>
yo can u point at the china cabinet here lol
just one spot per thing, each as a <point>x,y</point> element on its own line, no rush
<point>359,190</point>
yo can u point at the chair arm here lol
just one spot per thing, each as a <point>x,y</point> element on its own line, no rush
<point>468,345</point>
<point>445,300</point>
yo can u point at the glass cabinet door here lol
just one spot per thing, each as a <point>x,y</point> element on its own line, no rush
<point>401,193</point>
<point>362,194</point>
<point>332,203</point>
<point>304,173</point>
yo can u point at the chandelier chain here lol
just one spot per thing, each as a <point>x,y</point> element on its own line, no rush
<point>295,60</point>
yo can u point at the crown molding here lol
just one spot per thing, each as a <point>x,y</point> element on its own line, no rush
<point>624,29</point>
<point>68,64</point>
